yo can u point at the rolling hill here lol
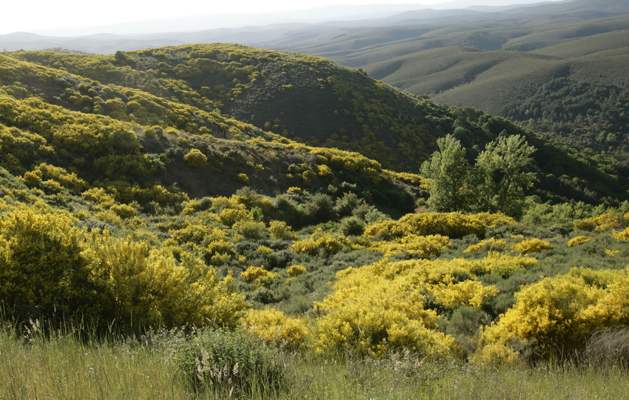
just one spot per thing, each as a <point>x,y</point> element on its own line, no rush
<point>209,88</point>
<point>501,62</point>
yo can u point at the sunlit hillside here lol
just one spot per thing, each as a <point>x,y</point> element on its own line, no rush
<point>217,221</point>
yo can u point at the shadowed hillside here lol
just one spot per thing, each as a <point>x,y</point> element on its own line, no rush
<point>304,98</point>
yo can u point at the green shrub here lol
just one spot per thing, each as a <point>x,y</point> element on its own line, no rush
<point>352,226</point>
<point>230,364</point>
<point>251,229</point>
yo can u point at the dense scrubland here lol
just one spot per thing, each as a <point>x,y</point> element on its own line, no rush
<point>154,245</point>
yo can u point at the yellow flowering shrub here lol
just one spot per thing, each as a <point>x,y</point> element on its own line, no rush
<point>557,315</point>
<point>532,246</point>
<point>384,306</point>
<point>220,246</point>
<point>99,196</point>
<point>276,328</point>
<point>622,235</point>
<point>495,354</point>
<point>296,270</point>
<point>230,216</point>
<point>258,275</point>
<point>195,158</point>
<point>124,211</point>
<point>500,264</point>
<point>323,170</point>
<point>243,178</point>
<point>579,240</point>
<point>220,203</point>
<point>197,233</point>
<point>264,250</point>
<point>353,162</point>
<point>319,243</point>
<point>453,225</point>
<point>152,288</point>
<point>466,293</point>
<point>219,259</point>
<point>600,223</point>
<point>50,268</point>
<point>490,244</point>
<point>280,230</point>
<point>42,269</point>
<point>54,179</point>
<point>372,316</point>
<point>612,252</point>
<point>413,245</point>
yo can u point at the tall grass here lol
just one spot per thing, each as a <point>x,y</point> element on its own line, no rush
<point>60,366</point>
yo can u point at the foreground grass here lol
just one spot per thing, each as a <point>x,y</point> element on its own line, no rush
<point>64,368</point>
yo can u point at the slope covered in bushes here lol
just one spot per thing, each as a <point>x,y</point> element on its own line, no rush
<point>225,247</point>
<point>307,99</point>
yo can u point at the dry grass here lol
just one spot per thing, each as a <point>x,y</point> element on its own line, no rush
<point>63,368</point>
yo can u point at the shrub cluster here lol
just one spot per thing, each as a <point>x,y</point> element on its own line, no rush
<point>319,243</point>
<point>490,244</point>
<point>50,268</point>
<point>390,306</point>
<point>579,241</point>
<point>532,246</point>
<point>600,223</point>
<point>453,225</point>
<point>556,316</point>
<point>413,246</point>
<point>276,328</point>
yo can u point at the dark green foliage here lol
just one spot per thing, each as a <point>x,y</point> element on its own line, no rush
<point>497,182</point>
<point>590,114</point>
<point>504,175</point>
<point>448,171</point>
<point>352,226</point>
<point>230,364</point>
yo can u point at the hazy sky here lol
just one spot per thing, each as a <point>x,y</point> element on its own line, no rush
<point>41,15</point>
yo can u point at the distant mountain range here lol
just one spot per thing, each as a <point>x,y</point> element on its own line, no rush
<point>242,28</point>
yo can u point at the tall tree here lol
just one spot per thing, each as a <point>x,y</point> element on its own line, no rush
<point>503,173</point>
<point>448,170</point>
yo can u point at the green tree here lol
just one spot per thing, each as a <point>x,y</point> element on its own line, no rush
<point>502,170</point>
<point>448,171</point>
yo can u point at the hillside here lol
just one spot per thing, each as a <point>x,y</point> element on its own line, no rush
<point>501,60</point>
<point>174,226</point>
<point>135,144</point>
<point>306,99</point>
<point>498,61</point>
